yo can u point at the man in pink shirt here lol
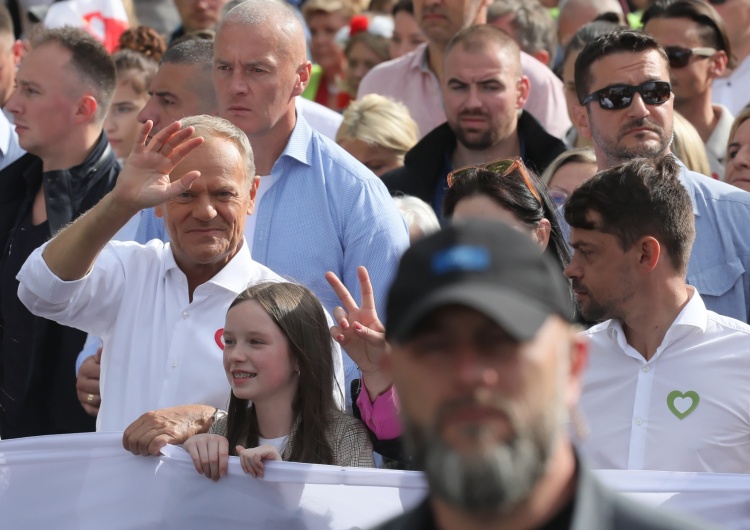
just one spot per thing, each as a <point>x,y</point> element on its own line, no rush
<point>414,78</point>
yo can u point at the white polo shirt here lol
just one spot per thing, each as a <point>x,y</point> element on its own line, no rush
<point>160,349</point>
<point>687,409</point>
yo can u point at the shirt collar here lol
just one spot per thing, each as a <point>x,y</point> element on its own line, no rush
<point>234,277</point>
<point>298,146</point>
<point>419,60</point>
<point>693,316</point>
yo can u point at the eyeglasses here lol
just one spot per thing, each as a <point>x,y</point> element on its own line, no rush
<point>617,97</point>
<point>503,167</point>
<point>558,197</point>
<point>680,57</point>
<point>717,2</point>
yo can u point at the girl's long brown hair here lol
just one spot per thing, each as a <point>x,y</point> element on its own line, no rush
<point>301,318</point>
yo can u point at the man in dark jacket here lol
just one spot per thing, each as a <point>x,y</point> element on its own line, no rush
<point>64,87</point>
<point>483,91</point>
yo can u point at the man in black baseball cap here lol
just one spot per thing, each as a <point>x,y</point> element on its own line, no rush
<point>487,367</point>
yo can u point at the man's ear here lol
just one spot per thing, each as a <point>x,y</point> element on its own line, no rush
<point>86,109</point>
<point>303,72</point>
<point>524,87</point>
<point>253,193</point>
<point>580,119</point>
<point>717,64</point>
<point>20,47</point>
<point>542,56</point>
<point>650,253</point>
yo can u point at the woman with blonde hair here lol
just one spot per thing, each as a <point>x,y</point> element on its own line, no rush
<point>378,132</point>
<point>568,171</point>
<point>737,171</point>
<point>688,146</point>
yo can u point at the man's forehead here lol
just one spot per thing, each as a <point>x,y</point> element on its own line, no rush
<point>489,58</point>
<point>171,77</point>
<point>629,68</point>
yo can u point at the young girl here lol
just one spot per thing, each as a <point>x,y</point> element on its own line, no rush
<point>277,355</point>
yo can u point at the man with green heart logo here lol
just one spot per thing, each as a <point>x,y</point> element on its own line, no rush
<point>668,383</point>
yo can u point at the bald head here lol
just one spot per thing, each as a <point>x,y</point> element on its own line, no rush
<point>271,15</point>
<point>574,14</point>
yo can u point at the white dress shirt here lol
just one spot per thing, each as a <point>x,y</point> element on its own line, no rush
<point>160,349</point>
<point>686,409</point>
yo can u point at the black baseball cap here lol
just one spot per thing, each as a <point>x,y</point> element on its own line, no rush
<point>485,265</point>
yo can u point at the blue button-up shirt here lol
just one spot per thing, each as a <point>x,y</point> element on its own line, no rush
<point>324,212</point>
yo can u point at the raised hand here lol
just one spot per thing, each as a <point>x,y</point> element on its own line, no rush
<point>252,459</point>
<point>359,329</point>
<point>145,179</point>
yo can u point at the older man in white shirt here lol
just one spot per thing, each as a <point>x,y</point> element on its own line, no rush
<point>668,384</point>
<point>160,308</point>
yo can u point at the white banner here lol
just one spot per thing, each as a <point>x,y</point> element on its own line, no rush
<point>88,481</point>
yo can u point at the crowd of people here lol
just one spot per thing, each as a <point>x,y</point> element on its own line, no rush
<point>496,241</point>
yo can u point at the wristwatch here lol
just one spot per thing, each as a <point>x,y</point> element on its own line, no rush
<point>218,414</point>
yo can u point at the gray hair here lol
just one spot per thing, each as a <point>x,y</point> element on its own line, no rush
<point>214,127</point>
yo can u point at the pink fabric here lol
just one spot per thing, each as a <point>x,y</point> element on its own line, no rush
<point>381,417</point>
<point>407,79</point>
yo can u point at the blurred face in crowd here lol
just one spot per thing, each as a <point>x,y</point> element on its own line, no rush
<point>360,60</point>
<point>482,411</point>
<point>694,79</point>
<point>46,102</point>
<point>601,272</point>
<point>406,34</point>
<point>639,130</point>
<point>482,93</point>
<point>439,20</point>
<point>325,50</point>
<point>567,178</point>
<point>175,93</point>
<point>121,122</point>
<point>378,159</point>
<point>257,73</point>
<point>737,171</point>
<point>199,14</point>
<point>736,16</point>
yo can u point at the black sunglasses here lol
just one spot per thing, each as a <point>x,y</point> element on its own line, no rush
<point>617,97</point>
<point>717,2</point>
<point>680,57</point>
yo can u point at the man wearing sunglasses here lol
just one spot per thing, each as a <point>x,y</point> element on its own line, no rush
<point>695,39</point>
<point>622,82</point>
<point>732,90</point>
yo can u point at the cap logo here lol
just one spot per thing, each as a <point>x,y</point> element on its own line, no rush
<point>463,258</point>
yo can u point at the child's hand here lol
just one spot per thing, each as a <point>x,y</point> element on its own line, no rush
<point>210,454</point>
<point>252,459</point>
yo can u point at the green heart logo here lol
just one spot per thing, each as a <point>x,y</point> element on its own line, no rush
<point>682,404</point>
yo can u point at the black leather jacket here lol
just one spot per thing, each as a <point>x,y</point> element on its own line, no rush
<point>68,193</point>
<point>45,400</point>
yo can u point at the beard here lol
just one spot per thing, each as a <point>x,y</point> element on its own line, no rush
<point>491,479</point>
<point>618,152</point>
<point>474,139</point>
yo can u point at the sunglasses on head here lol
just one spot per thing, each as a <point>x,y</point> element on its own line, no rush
<point>502,167</point>
<point>680,57</point>
<point>617,97</point>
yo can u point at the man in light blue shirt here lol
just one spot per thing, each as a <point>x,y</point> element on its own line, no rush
<point>622,83</point>
<point>318,208</point>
